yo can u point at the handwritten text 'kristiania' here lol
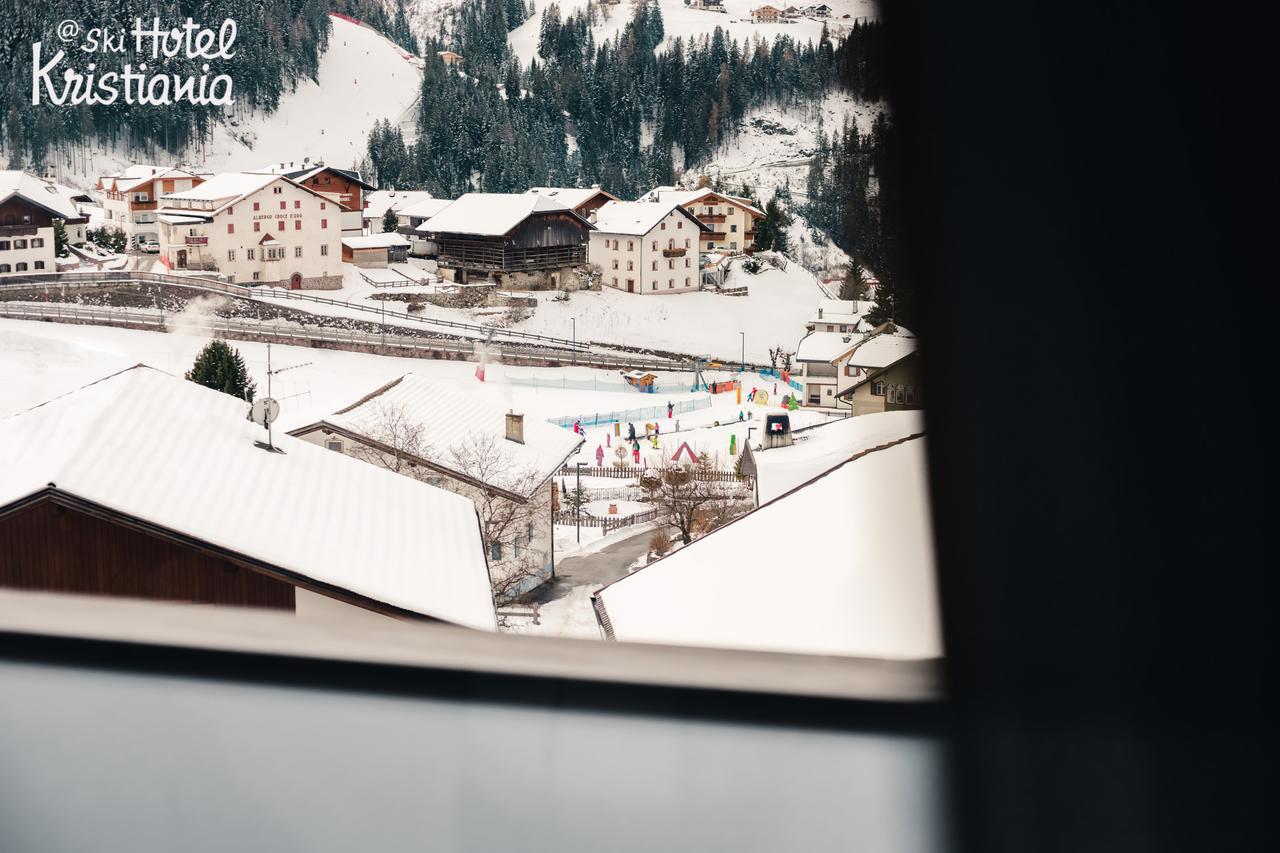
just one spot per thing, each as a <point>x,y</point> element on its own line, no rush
<point>141,85</point>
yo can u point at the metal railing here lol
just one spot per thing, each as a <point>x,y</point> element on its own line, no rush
<point>462,349</point>
<point>262,294</point>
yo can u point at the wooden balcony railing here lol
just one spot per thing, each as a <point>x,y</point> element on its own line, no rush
<point>197,241</point>
<point>673,253</point>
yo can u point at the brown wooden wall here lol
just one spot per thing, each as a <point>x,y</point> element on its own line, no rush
<point>13,210</point>
<point>545,230</point>
<point>332,182</point>
<point>51,548</point>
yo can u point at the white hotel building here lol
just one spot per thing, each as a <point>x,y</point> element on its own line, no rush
<point>254,229</point>
<point>646,247</point>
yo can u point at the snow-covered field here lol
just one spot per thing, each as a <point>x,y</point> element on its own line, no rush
<point>772,314</point>
<point>39,361</point>
<point>363,77</point>
<point>681,21</point>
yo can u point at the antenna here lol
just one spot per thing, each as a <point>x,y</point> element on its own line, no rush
<point>265,410</point>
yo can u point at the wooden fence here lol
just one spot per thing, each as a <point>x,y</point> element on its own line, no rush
<point>631,472</point>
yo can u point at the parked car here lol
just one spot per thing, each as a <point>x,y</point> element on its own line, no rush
<point>150,246</point>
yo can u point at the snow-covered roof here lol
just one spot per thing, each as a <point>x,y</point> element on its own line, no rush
<point>425,208</point>
<point>821,448</point>
<point>573,197</point>
<point>491,214</point>
<point>181,218</point>
<point>376,241</point>
<point>378,202</point>
<point>172,453</point>
<point>637,218</point>
<point>301,171</point>
<point>52,196</point>
<point>454,420</point>
<point>226,187</point>
<point>688,197</point>
<point>824,346</point>
<point>868,591</point>
<point>840,311</point>
<point>129,176</point>
<point>881,349</point>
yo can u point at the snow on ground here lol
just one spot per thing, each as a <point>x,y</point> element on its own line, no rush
<point>772,314</point>
<point>363,78</point>
<point>681,21</point>
<point>774,144</point>
<point>626,509</point>
<point>41,360</point>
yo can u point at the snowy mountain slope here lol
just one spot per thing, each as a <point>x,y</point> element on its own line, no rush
<point>363,77</point>
<point>680,20</point>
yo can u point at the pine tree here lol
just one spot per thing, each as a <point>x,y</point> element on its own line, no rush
<point>882,311</point>
<point>389,221</point>
<point>854,285</point>
<point>219,366</point>
<point>59,238</point>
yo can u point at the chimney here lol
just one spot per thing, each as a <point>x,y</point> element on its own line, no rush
<point>515,427</point>
<point>819,313</point>
<point>591,216</point>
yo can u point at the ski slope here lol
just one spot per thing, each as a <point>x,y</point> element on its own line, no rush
<point>364,77</point>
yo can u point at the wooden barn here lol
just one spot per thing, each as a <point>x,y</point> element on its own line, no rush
<point>515,239</point>
<point>144,485</point>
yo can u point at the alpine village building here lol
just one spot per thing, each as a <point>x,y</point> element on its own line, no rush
<point>522,240</point>
<point>647,247</point>
<point>254,228</point>
<point>29,207</point>
<point>343,187</point>
<point>131,197</point>
<point>731,221</point>
<point>144,485</point>
<point>477,448</point>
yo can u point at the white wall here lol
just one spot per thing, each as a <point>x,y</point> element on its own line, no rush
<point>30,255</point>
<point>311,226</point>
<point>672,275</point>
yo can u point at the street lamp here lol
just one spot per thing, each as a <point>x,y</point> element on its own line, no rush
<point>577,500</point>
<point>742,365</point>
<point>574,321</point>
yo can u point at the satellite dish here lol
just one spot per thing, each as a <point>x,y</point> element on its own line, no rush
<point>264,411</point>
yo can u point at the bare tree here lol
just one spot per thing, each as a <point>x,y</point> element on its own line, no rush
<point>504,520</point>
<point>400,442</point>
<point>680,497</point>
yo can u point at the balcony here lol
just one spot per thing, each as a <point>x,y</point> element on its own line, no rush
<point>197,241</point>
<point>673,253</point>
<point>714,235</point>
<point>711,218</point>
<point>143,205</point>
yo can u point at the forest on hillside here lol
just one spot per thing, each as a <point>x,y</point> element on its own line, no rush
<point>278,42</point>
<point>630,113</point>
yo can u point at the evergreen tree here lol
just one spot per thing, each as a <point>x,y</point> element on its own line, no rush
<point>59,238</point>
<point>220,367</point>
<point>854,285</point>
<point>882,311</point>
<point>389,221</point>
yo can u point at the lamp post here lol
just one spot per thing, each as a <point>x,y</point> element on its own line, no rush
<point>574,321</point>
<point>577,500</point>
<point>742,365</point>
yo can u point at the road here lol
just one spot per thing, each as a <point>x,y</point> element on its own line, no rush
<point>597,569</point>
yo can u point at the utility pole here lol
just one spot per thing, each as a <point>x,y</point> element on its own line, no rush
<point>742,365</point>
<point>577,500</point>
<point>574,321</point>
